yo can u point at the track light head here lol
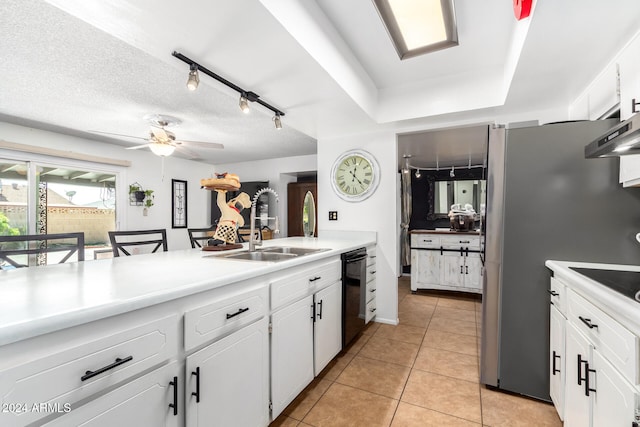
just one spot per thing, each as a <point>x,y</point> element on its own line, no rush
<point>244,103</point>
<point>418,174</point>
<point>453,172</point>
<point>194,80</point>
<point>277,121</point>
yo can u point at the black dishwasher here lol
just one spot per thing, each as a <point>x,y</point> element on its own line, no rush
<point>354,282</point>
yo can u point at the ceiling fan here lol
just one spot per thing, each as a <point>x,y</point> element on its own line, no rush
<point>163,142</point>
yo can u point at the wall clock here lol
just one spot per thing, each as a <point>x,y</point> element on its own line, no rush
<point>355,175</point>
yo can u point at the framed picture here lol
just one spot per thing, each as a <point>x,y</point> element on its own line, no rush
<point>178,203</point>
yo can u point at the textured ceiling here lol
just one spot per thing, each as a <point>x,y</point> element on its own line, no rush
<point>76,66</point>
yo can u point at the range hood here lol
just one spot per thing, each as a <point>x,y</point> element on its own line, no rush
<point>621,140</point>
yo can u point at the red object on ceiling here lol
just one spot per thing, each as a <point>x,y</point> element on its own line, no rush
<point>522,8</point>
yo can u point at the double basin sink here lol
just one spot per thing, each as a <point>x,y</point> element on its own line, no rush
<point>276,253</point>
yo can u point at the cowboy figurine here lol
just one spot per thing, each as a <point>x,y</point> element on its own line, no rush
<point>230,220</point>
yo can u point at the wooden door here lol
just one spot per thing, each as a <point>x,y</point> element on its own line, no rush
<point>295,199</point>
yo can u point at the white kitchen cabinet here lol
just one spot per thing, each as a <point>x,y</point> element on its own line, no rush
<point>557,333</point>
<point>327,336</point>
<point>143,402</point>
<point>291,352</point>
<point>448,261</point>
<point>577,408</point>
<point>614,399</point>
<point>228,381</point>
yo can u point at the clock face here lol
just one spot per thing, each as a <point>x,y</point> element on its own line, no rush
<point>355,175</point>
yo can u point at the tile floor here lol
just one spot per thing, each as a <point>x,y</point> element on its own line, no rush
<point>422,372</point>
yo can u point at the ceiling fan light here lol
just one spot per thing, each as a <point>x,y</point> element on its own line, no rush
<point>194,80</point>
<point>162,150</point>
<point>244,104</point>
<point>277,121</point>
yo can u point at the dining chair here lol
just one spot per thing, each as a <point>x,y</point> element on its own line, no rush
<point>197,235</point>
<point>120,240</point>
<point>38,246</point>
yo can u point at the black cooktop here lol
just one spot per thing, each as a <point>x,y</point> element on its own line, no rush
<point>625,282</point>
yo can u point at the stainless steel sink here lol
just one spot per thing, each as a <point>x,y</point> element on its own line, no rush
<point>259,256</point>
<point>291,250</point>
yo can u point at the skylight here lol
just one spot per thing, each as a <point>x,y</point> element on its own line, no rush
<point>417,27</point>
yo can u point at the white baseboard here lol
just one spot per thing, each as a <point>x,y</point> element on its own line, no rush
<point>386,321</point>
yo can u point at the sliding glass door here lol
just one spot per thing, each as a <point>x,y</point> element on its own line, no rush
<point>46,198</point>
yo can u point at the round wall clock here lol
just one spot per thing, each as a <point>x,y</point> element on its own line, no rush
<point>355,175</point>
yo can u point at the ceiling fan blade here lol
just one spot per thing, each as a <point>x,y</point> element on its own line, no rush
<point>117,134</point>
<point>202,144</point>
<point>192,155</point>
<point>160,134</point>
<point>136,147</point>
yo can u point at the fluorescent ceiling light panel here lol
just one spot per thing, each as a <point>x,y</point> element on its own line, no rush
<point>417,27</point>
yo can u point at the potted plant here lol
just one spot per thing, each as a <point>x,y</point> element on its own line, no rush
<point>148,198</point>
<point>137,192</point>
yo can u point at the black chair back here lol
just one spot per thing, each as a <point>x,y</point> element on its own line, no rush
<point>120,240</point>
<point>197,235</point>
<point>40,245</point>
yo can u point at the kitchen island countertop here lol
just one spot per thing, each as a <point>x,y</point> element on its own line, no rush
<point>623,309</point>
<point>39,300</point>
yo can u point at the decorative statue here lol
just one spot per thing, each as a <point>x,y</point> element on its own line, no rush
<point>230,220</point>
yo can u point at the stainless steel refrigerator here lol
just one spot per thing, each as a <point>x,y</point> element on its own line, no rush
<point>544,201</point>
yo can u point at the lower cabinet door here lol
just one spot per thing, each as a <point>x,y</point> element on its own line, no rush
<point>557,326</point>
<point>328,328</point>
<point>452,269</point>
<point>576,404</point>
<point>473,271</point>
<point>425,268</point>
<point>614,399</point>
<point>291,352</point>
<point>228,381</point>
<point>143,402</point>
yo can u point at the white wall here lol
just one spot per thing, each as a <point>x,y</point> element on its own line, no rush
<point>279,173</point>
<point>146,169</point>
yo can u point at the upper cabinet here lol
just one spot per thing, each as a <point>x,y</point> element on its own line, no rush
<point>600,98</point>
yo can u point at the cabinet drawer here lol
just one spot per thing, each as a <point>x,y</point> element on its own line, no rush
<point>456,242</point>
<point>371,273</point>
<point>220,318</point>
<point>304,281</point>
<point>71,375</point>
<point>371,290</point>
<point>371,256</point>
<point>612,340</point>
<point>370,312</point>
<point>425,241</point>
<point>558,295</point>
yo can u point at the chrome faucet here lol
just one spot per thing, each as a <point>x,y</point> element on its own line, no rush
<point>253,240</point>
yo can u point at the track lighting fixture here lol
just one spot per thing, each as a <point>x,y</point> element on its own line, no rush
<point>194,79</point>
<point>244,103</point>
<point>452,174</point>
<point>418,174</point>
<point>245,95</point>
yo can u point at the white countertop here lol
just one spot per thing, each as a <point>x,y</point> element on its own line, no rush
<point>39,300</point>
<point>622,308</point>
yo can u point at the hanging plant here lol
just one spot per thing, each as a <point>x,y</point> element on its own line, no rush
<point>148,198</point>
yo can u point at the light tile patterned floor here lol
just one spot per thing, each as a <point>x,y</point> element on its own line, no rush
<point>422,372</point>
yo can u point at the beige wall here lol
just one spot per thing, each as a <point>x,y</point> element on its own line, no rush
<point>94,222</point>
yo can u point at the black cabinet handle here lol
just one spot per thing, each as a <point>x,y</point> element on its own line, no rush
<point>441,250</point>
<point>461,269</point>
<point>552,293</point>
<point>465,241</point>
<point>372,256</point>
<point>373,310</point>
<point>313,312</point>
<point>197,392</point>
<point>315,278</point>
<point>461,251</point>
<point>174,405</point>
<point>466,251</point>
<point>466,269</point>
<point>587,389</point>
<point>373,290</point>
<point>237,313</point>
<point>427,241</point>
<point>373,271</point>
<point>587,322</point>
<point>118,362</point>
<point>553,368</point>
<point>320,310</point>
<point>580,362</point>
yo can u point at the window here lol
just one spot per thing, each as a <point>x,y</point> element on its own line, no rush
<point>37,197</point>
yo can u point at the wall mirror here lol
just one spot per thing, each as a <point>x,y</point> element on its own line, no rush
<point>447,193</point>
<point>309,215</point>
